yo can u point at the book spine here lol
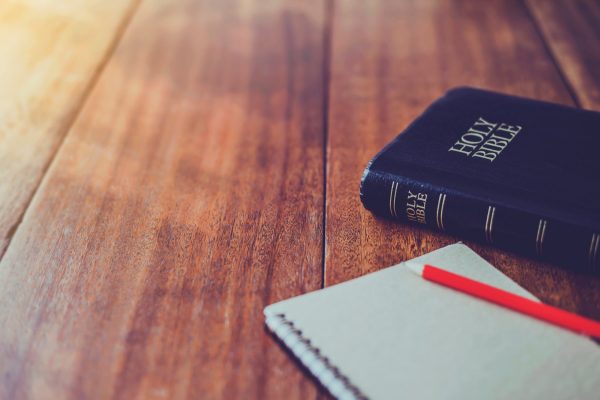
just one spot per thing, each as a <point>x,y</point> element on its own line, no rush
<point>480,219</point>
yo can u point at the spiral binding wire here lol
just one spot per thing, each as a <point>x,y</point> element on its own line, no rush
<point>328,374</point>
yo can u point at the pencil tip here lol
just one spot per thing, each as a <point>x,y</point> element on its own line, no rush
<point>415,267</point>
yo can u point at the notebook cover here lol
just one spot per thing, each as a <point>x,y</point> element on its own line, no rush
<point>391,334</point>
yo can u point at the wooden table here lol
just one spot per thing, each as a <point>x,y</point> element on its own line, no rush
<point>168,168</point>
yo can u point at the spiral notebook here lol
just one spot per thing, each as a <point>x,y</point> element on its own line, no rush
<point>391,334</point>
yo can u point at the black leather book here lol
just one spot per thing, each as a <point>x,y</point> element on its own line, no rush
<point>519,174</point>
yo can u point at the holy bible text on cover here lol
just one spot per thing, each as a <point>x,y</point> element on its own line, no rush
<point>520,174</point>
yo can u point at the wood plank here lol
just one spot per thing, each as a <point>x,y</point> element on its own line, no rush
<point>186,197</point>
<point>50,52</point>
<point>389,61</point>
<point>572,31</point>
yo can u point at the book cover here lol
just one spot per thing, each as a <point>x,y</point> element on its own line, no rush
<point>516,173</point>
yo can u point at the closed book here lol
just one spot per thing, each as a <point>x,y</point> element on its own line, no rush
<point>520,174</point>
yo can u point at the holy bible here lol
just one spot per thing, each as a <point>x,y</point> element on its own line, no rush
<point>520,174</point>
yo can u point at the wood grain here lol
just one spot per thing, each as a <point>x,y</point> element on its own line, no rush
<point>189,192</point>
<point>50,51</point>
<point>186,197</point>
<point>390,60</point>
<point>572,31</point>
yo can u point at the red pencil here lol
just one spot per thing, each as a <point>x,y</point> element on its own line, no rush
<point>506,299</point>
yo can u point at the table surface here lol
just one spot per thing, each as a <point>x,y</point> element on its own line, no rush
<point>168,168</point>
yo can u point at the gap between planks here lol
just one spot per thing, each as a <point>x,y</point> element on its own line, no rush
<point>551,56</point>
<point>329,6</point>
<point>120,30</point>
